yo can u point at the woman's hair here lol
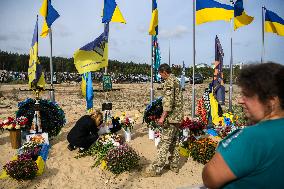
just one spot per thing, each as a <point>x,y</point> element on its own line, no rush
<point>165,67</point>
<point>264,80</point>
<point>97,114</point>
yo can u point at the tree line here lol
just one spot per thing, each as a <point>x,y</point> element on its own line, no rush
<point>19,63</point>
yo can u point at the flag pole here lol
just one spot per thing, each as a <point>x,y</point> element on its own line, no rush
<point>51,93</point>
<point>170,53</point>
<point>231,70</point>
<point>193,70</point>
<point>107,41</point>
<point>152,63</point>
<point>262,21</point>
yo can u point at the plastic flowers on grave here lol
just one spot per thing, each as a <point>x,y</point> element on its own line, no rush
<point>13,124</point>
<point>153,112</point>
<point>52,116</point>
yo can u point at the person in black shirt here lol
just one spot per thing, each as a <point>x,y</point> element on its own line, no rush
<point>85,131</point>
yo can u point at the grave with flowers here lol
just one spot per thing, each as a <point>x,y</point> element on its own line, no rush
<point>208,128</point>
<point>36,122</point>
<point>112,154</point>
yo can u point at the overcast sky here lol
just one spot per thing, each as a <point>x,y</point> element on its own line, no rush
<point>80,23</point>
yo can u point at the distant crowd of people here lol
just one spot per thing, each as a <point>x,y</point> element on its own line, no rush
<point>65,77</point>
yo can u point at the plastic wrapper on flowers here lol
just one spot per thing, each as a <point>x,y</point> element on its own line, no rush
<point>153,112</point>
<point>52,116</point>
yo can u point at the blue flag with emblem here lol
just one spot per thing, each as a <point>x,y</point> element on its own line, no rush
<point>94,55</point>
<point>35,74</point>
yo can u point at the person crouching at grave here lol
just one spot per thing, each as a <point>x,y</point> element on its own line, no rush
<point>85,131</point>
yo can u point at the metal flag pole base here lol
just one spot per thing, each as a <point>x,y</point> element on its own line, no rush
<point>51,94</point>
<point>152,95</point>
<point>230,98</point>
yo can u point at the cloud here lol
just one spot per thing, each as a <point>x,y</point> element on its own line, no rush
<point>177,32</point>
<point>142,29</point>
<point>63,31</point>
<point>10,36</point>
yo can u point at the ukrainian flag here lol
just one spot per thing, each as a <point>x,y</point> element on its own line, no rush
<point>111,12</point>
<point>94,55</point>
<point>87,89</point>
<point>153,29</point>
<point>49,14</point>
<point>209,11</point>
<point>35,75</point>
<point>241,18</point>
<point>274,23</point>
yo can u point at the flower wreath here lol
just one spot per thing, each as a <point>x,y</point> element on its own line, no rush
<point>52,116</point>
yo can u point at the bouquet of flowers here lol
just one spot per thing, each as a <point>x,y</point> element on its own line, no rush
<point>153,112</point>
<point>127,123</point>
<point>13,124</point>
<point>202,150</point>
<point>195,126</point>
<point>122,158</point>
<point>185,123</point>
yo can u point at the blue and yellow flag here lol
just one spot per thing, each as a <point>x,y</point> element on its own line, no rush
<point>35,75</point>
<point>49,14</point>
<point>153,29</point>
<point>274,23</point>
<point>111,12</point>
<point>94,55</point>
<point>87,89</point>
<point>209,11</point>
<point>240,16</point>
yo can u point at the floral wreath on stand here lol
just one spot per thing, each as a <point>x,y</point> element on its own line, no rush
<point>153,112</point>
<point>52,116</point>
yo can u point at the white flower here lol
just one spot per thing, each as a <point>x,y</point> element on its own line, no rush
<point>17,127</point>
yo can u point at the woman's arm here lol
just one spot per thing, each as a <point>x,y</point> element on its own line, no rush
<point>216,172</point>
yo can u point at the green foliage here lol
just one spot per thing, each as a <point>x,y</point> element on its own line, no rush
<point>15,62</point>
<point>98,150</point>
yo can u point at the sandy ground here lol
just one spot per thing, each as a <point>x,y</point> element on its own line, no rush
<point>64,171</point>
